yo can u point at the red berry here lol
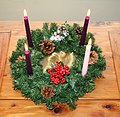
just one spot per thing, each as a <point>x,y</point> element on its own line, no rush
<point>66,67</point>
<point>67,72</point>
<point>57,73</point>
<point>56,81</point>
<point>49,71</point>
<point>52,78</point>
<point>63,80</point>
<point>63,71</point>
<point>58,63</point>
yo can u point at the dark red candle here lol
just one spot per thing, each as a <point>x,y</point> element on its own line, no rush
<point>28,61</point>
<point>83,36</point>
<point>27,27</point>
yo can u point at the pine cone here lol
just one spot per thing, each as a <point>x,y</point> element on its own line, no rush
<point>20,58</point>
<point>62,28</point>
<point>62,31</point>
<point>47,46</point>
<point>78,30</point>
<point>47,92</point>
<point>93,57</point>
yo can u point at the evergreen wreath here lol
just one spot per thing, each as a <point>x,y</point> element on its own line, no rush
<point>60,83</point>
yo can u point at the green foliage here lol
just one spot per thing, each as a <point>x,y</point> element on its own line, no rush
<point>74,87</point>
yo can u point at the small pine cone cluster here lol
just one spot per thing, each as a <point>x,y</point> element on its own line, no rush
<point>20,58</point>
<point>47,46</point>
<point>47,92</point>
<point>60,34</point>
<point>78,30</point>
<point>93,57</point>
<point>62,30</point>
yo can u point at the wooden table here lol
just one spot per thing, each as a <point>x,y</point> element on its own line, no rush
<point>104,101</point>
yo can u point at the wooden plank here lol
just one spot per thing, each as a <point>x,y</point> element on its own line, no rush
<point>19,25</point>
<point>86,108</point>
<point>4,42</point>
<point>7,91</point>
<point>104,89</point>
<point>11,25</point>
<point>91,105</point>
<point>115,43</point>
<point>107,24</point>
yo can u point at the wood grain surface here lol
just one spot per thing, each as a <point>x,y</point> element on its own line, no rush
<point>86,108</point>
<point>115,45</point>
<point>104,101</point>
<point>4,42</point>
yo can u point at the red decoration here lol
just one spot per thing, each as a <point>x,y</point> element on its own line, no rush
<point>58,72</point>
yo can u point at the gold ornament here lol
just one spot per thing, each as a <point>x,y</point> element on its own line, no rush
<point>66,58</point>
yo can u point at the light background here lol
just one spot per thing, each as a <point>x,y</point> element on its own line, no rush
<point>60,10</point>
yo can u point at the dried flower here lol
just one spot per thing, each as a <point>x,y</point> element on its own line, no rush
<point>20,58</point>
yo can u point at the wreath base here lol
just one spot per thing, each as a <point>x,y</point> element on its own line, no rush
<point>42,87</point>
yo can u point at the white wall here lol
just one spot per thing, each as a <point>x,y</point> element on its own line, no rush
<point>101,10</point>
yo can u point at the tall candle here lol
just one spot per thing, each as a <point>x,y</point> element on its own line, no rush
<point>83,36</point>
<point>86,58</point>
<point>27,27</point>
<point>28,60</point>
